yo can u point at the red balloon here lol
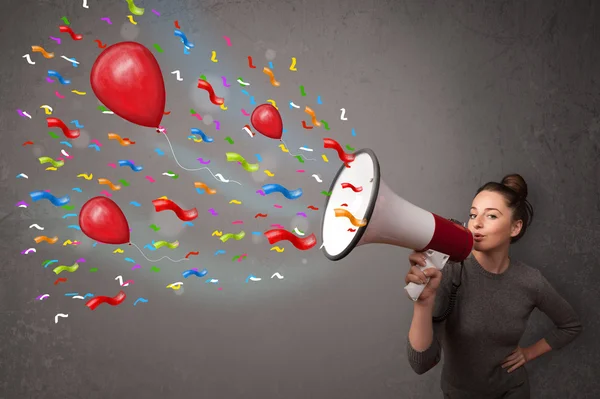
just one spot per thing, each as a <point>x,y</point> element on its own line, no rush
<point>267,120</point>
<point>127,79</point>
<point>102,220</point>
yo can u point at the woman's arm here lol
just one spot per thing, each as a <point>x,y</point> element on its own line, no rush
<point>420,334</point>
<point>566,322</point>
<point>424,347</point>
<point>424,343</point>
<point>537,349</point>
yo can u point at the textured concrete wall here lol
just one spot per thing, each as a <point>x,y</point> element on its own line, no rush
<point>449,94</point>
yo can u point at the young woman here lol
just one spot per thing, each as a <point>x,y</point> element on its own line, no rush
<point>481,333</point>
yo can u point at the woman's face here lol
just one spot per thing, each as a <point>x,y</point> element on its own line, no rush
<point>490,221</point>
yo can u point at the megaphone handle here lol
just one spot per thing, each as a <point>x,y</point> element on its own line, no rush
<point>415,290</point>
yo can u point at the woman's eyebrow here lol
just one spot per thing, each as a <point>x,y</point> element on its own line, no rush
<point>488,209</point>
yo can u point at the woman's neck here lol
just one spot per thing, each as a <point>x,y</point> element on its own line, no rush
<point>495,261</point>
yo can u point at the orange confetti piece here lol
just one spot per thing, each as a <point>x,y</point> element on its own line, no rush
<point>269,73</point>
<point>205,187</point>
<point>339,212</point>
<point>38,49</point>
<point>309,111</point>
<point>49,240</point>
<point>124,142</point>
<point>109,184</point>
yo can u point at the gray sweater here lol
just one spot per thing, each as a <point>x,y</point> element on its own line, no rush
<point>486,325</point>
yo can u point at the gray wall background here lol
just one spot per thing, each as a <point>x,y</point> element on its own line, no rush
<point>449,94</point>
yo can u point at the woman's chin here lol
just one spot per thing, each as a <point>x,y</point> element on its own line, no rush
<point>479,246</point>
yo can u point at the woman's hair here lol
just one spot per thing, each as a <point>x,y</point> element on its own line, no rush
<point>514,190</point>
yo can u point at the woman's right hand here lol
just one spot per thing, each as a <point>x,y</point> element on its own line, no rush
<point>415,275</point>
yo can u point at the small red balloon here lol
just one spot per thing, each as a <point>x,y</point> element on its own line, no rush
<point>267,121</point>
<point>127,79</point>
<point>102,220</point>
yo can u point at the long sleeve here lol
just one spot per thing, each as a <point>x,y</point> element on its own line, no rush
<point>421,362</point>
<point>566,321</point>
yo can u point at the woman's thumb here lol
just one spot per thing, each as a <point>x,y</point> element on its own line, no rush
<point>430,272</point>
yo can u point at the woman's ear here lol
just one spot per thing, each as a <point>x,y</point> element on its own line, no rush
<point>516,228</point>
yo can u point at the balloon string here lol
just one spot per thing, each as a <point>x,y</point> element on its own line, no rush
<point>289,152</point>
<point>220,176</point>
<point>156,260</point>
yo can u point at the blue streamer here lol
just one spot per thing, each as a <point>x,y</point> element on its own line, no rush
<point>196,273</point>
<point>206,138</point>
<point>277,188</point>
<point>38,195</point>
<point>183,38</point>
<point>131,165</point>
<point>54,74</point>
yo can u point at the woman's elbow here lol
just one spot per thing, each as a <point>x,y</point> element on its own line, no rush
<point>422,368</point>
<point>574,327</point>
<point>423,361</point>
<point>577,329</point>
<point>565,335</point>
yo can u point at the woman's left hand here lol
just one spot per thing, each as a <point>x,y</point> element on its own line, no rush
<point>516,359</point>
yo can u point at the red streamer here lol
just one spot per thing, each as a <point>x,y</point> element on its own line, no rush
<point>114,301</point>
<point>168,205</point>
<point>302,244</point>
<point>352,187</point>
<point>203,84</point>
<point>67,29</point>
<point>344,157</point>
<point>55,122</point>
<point>250,62</point>
<point>304,125</point>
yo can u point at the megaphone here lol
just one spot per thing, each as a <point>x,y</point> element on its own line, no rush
<point>363,210</point>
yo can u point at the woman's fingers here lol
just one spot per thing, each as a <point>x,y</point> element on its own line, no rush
<point>432,272</point>
<point>414,270</point>
<point>516,366</point>
<point>417,258</point>
<point>509,363</point>
<point>411,278</point>
<point>512,359</point>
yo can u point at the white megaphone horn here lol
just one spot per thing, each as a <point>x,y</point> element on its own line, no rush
<point>363,210</point>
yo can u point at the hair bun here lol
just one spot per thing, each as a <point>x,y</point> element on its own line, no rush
<point>516,183</point>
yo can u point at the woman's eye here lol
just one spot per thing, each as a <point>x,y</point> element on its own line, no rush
<point>492,216</point>
<point>471,216</point>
